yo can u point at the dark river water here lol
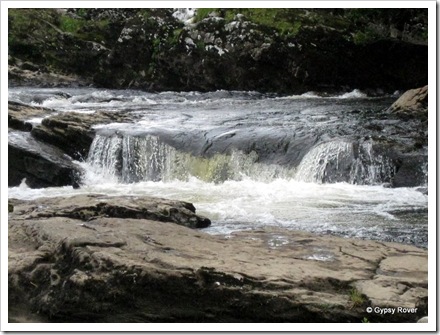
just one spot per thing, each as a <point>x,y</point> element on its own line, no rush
<point>249,160</point>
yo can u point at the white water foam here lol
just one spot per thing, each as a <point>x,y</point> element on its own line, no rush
<point>248,204</point>
<point>254,195</point>
<point>355,94</point>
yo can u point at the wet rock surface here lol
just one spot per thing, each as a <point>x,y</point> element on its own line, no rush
<point>20,115</point>
<point>107,267</point>
<point>395,140</point>
<point>40,164</point>
<point>72,132</point>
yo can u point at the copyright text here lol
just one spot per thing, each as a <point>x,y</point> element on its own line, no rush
<point>391,310</point>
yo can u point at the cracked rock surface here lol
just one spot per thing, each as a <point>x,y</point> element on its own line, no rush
<point>94,258</point>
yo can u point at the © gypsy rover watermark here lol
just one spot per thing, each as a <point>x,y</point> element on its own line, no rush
<point>391,310</point>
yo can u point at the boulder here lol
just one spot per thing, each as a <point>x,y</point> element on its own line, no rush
<point>95,258</point>
<point>92,207</point>
<point>412,101</point>
<point>41,164</point>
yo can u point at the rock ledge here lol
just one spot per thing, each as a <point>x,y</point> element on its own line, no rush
<point>71,265</point>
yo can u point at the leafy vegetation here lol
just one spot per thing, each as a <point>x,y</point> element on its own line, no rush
<point>361,25</point>
<point>71,25</point>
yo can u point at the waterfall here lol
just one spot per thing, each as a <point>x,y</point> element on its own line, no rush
<point>370,167</point>
<point>145,158</point>
<point>343,161</point>
<point>327,162</point>
<point>131,159</point>
<point>105,155</point>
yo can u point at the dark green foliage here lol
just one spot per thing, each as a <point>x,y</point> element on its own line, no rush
<point>370,24</point>
<point>274,49</point>
<point>71,25</point>
<point>362,25</point>
<point>31,27</point>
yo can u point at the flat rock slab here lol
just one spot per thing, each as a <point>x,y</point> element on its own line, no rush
<point>20,115</point>
<point>71,267</point>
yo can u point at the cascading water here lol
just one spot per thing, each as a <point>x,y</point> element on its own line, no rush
<point>339,161</point>
<point>133,158</point>
<point>105,156</point>
<point>145,158</point>
<point>249,161</point>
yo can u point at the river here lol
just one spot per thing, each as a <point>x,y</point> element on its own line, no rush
<point>248,160</point>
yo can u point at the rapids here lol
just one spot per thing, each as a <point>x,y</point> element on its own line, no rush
<point>248,160</point>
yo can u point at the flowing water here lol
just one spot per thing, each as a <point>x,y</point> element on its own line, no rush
<point>249,160</point>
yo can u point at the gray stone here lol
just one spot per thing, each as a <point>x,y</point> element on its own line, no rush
<point>42,165</point>
<point>108,267</point>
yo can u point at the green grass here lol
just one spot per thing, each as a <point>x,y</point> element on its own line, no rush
<point>287,21</point>
<point>356,298</point>
<point>70,25</point>
<point>203,13</point>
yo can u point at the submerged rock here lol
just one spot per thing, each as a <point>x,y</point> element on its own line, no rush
<point>106,267</point>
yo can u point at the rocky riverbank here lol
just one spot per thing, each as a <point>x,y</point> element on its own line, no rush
<point>267,50</point>
<point>94,258</point>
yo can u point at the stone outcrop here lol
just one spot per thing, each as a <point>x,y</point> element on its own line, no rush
<point>19,115</point>
<point>415,100</point>
<point>72,261</point>
<point>92,207</point>
<point>151,49</point>
<point>41,164</point>
<point>73,132</point>
<point>43,151</point>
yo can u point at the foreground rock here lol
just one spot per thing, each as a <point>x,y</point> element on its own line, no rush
<point>92,207</point>
<point>72,261</point>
